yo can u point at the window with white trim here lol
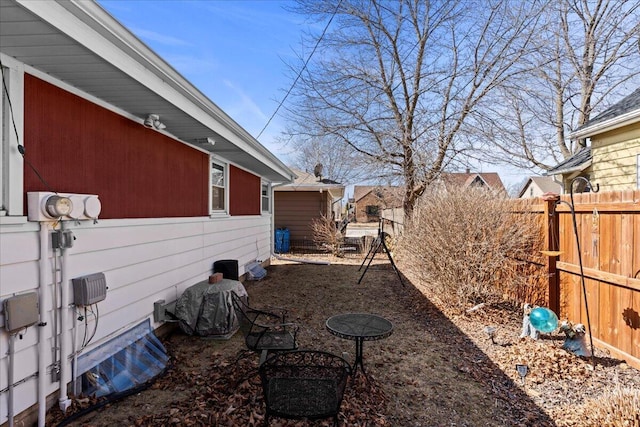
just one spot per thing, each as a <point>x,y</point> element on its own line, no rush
<point>218,187</point>
<point>265,197</point>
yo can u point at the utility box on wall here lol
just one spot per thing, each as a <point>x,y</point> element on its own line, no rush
<point>21,311</point>
<point>89,289</point>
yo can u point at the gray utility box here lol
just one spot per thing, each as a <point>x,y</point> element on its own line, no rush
<point>89,289</point>
<point>21,311</point>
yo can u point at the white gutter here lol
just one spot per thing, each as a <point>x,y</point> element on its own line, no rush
<point>607,125</point>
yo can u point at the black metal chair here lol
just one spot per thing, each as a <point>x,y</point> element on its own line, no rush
<point>305,384</point>
<point>265,331</point>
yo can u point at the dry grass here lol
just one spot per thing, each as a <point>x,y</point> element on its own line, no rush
<point>619,408</point>
<point>436,369</point>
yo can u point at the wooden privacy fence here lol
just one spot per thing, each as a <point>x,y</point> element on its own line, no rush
<point>608,228</point>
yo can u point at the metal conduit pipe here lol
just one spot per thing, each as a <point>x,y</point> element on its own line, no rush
<point>12,338</point>
<point>42,337</point>
<point>64,402</point>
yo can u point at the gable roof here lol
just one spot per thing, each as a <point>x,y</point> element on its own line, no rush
<point>81,45</point>
<point>576,163</point>
<point>392,195</point>
<point>305,181</point>
<point>546,184</point>
<point>306,178</point>
<point>465,179</point>
<point>623,113</point>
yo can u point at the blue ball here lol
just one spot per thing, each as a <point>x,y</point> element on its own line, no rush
<point>543,319</point>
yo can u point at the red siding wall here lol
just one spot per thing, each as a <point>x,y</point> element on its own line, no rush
<point>80,147</point>
<point>244,191</point>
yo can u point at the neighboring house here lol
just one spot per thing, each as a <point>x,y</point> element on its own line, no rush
<point>172,193</point>
<point>536,186</point>
<point>463,180</point>
<point>612,159</point>
<point>615,145</point>
<point>309,197</point>
<point>577,165</point>
<point>369,201</point>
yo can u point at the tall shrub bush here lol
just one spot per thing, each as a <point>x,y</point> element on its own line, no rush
<point>467,247</point>
<point>327,235</point>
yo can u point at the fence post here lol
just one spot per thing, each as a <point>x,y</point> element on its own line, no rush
<point>551,238</point>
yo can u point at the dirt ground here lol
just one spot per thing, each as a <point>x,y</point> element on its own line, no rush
<point>434,370</point>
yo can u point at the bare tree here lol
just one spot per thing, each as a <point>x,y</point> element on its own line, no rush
<point>585,57</point>
<point>339,162</point>
<point>397,81</point>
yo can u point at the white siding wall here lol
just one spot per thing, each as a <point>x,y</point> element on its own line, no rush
<point>143,261</point>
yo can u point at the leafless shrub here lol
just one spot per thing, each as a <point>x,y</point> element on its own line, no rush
<point>619,408</point>
<point>468,247</point>
<point>326,234</point>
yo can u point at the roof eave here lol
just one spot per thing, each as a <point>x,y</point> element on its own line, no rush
<point>608,125</point>
<point>578,168</point>
<point>152,71</point>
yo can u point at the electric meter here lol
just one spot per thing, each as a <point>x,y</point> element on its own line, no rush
<point>58,206</point>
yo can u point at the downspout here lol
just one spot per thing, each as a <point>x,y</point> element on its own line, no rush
<point>42,339</point>
<point>64,402</point>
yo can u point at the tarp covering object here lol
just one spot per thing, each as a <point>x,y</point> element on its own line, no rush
<point>206,309</point>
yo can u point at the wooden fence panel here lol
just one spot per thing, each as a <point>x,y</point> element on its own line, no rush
<point>608,227</point>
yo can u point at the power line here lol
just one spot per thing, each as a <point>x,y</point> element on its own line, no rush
<point>302,69</point>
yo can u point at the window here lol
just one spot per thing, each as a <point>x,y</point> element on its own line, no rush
<point>218,180</point>
<point>265,197</point>
<point>372,210</point>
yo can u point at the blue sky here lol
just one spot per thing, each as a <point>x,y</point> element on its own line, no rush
<point>235,52</point>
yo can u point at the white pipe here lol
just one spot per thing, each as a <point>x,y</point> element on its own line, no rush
<point>64,402</point>
<point>42,338</point>
<point>74,366</point>
<point>12,338</point>
<point>304,261</point>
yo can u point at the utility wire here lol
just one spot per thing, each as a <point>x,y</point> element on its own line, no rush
<point>15,130</point>
<point>302,69</point>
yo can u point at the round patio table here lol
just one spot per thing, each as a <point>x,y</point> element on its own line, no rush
<point>359,327</point>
